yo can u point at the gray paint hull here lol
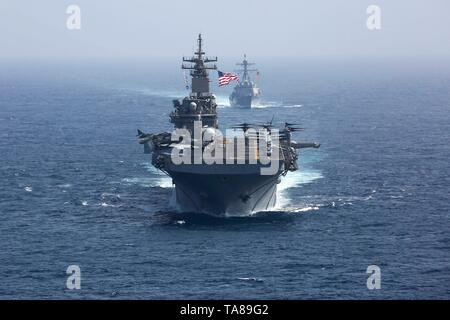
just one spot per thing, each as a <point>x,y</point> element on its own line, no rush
<point>244,101</point>
<point>226,193</point>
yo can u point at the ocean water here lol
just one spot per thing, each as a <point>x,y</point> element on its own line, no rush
<point>76,188</point>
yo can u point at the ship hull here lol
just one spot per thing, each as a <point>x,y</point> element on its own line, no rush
<point>244,101</point>
<point>225,193</point>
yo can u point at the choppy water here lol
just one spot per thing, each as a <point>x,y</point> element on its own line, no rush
<point>76,188</point>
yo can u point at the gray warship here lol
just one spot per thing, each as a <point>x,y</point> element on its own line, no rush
<point>234,184</point>
<point>246,93</point>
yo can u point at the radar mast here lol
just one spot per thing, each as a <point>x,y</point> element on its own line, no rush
<point>199,70</point>
<point>245,70</point>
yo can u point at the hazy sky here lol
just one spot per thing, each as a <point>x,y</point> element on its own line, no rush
<point>124,29</point>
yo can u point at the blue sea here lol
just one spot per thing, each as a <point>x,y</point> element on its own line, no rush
<point>76,188</point>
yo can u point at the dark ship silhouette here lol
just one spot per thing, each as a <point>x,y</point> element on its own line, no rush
<point>246,93</point>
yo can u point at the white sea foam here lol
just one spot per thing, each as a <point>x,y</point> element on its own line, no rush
<point>157,179</point>
<point>105,205</point>
<point>160,179</point>
<point>149,182</point>
<point>113,196</point>
<point>157,92</point>
<point>274,104</point>
<point>173,201</point>
<point>64,186</point>
<point>222,101</point>
<point>297,178</point>
<point>250,279</point>
<point>28,189</point>
<point>293,180</point>
<point>266,104</point>
<point>305,209</point>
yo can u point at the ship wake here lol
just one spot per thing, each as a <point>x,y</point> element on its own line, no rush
<point>157,178</point>
<point>294,180</point>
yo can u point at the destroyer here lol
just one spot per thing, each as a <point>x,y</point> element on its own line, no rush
<point>246,93</point>
<point>235,185</point>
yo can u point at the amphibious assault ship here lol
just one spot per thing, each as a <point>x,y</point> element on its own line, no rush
<point>246,93</point>
<point>246,167</point>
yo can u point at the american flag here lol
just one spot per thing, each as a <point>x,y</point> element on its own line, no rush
<point>226,77</point>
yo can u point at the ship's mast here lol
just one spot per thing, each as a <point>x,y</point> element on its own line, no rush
<point>245,70</point>
<point>200,105</point>
<point>199,70</point>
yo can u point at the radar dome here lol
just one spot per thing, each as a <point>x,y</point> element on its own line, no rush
<point>209,134</point>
